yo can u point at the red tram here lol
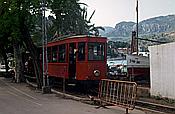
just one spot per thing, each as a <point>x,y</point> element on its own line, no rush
<point>77,58</point>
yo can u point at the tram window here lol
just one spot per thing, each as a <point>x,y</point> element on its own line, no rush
<point>54,53</point>
<point>62,53</point>
<point>49,54</point>
<point>81,51</point>
<point>95,51</point>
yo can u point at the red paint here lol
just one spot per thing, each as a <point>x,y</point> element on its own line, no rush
<point>84,69</point>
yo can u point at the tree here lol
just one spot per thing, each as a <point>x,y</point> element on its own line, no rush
<point>18,21</point>
<point>5,31</point>
<point>21,21</point>
<point>71,18</point>
<point>68,16</point>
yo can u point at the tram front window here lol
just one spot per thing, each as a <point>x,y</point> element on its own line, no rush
<point>95,51</point>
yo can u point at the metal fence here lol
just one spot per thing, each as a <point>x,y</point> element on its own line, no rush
<point>115,92</point>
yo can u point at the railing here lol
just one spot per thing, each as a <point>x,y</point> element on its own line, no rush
<point>120,93</point>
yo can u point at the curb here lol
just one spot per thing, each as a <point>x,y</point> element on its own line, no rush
<point>65,95</point>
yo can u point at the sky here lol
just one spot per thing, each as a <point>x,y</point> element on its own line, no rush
<point>111,12</point>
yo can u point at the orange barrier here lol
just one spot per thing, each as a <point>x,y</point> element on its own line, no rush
<point>115,92</point>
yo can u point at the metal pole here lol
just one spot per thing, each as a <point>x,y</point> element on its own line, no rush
<point>44,38</point>
<point>43,42</point>
<point>45,87</point>
<point>137,34</point>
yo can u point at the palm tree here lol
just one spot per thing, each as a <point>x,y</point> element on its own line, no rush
<point>71,18</point>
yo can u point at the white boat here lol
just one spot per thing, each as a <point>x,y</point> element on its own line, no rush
<point>134,67</point>
<point>138,67</point>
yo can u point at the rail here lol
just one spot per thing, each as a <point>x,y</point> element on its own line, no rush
<point>156,107</point>
<point>120,93</point>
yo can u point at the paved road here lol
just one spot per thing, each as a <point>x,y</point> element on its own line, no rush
<point>22,99</point>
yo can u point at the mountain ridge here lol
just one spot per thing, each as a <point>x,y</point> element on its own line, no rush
<point>155,25</point>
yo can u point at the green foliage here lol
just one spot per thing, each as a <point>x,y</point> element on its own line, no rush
<point>71,18</point>
<point>15,12</point>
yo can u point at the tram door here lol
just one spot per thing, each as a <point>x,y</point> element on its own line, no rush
<point>72,61</point>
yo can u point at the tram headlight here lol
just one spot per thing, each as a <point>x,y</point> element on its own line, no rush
<point>96,73</point>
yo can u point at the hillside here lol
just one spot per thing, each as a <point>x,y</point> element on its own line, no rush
<point>153,26</point>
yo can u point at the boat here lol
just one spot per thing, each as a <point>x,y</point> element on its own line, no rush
<point>138,67</point>
<point>133,67</point>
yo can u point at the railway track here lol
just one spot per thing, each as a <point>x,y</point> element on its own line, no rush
<point>156,107</point>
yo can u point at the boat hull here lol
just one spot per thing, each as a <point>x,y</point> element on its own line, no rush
<point>138,67</point>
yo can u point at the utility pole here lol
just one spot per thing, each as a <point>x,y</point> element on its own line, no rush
<point>45,87</point>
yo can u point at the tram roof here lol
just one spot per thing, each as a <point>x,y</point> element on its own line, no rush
<point>72,37</point>
<point>75,36</point>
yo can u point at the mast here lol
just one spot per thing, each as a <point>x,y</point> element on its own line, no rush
<point>137,28</point>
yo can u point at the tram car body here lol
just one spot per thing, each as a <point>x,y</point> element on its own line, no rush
<point>77,58</point>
